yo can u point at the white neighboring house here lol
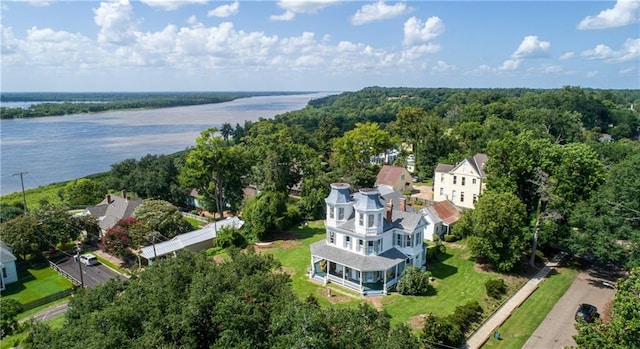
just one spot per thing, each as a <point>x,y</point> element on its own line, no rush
<point>8,265</point>
<point>368,242</point>
<point>197,240</point>
<point>112,209</point>
<point>461,183</point>
<point>440,217</point>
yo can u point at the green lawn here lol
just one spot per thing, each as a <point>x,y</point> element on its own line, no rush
<point>456,280</point>
<point>36,282</point>
<point>524,320</point>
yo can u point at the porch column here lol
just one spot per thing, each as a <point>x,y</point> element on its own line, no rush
<point>312,272</point>
<point>361,277</point>
<point>384,286</point>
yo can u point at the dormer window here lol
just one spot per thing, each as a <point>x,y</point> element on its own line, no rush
<point>332,213</point>
<point>379,219</point>
<point>369,221</point>
<point>341,213</point>
<point>361,219</point>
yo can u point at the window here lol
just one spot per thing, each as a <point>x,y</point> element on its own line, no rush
<point>360,219</point>
<point>369,247</point>
<point>369,220</point>
<point>461,196</point>
<point>441,192</point>
<point>332,214</point>
<point>473,181</point>
<point>360,244</point>
<point>455,179</point>
<point>347,242</point>
<point>379,219</point>
<point>475,197</point>
<point>379,249</point>
<point>341,213</point>
<point>462,180</point>
<point>408,240</point>
<point>453,195</point>
<point>398,240</point>
<point>442,177</point>
<point>332,237</point>
<point>4,272</point>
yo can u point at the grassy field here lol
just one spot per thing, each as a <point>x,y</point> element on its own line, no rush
<point>36,282</point>
<point>456,279</point>
<point>524,320</point>
<point>13,341</point>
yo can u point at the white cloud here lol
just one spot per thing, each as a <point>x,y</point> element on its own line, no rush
<point>170,5</point>
<point>192,20</point>
<point>442,66</point>
<point>286,16</point>
<point>626,71</point>
<point>117,23</point>
<point>510,64</point>
<point>378,12</point>
<point>225,10</point>
<point>624,12</point>
<point>39,3</point>
<point>531,47</point>
<point>416,33</point>
<point>292,7</point>
<point>567,55</point>
<point>629,52</point>
<point>593,73</point>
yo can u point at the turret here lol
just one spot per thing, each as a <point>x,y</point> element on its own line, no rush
<point>339,204</point>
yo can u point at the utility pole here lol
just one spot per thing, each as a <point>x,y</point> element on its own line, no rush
<point>80,266</point>
<point>24,198</point>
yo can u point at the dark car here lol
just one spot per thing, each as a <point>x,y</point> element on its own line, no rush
<point>586,312</point>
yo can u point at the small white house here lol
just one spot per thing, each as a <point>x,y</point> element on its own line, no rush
<point>8,265</point>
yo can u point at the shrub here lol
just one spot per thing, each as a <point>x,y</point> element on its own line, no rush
<point>10,309</point>
<point>467,314</point>
<point>413,282</point>
<point>227,237</point>
<point>451,238</point>
<point>495,288</point>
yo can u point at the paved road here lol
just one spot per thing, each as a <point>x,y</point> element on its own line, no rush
<point>557,329</point>
<point>49,313</point>
<point>91,275</point>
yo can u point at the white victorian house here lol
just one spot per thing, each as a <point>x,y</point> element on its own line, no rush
<point>368,242</point>
<point>462,183</point>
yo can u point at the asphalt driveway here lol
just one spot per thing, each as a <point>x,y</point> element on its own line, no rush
<point>557,329</point>
<point>91,275</point>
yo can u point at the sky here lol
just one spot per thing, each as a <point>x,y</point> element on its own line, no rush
<point>317,45</point>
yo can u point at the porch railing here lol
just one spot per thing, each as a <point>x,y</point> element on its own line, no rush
<point>344,282</point>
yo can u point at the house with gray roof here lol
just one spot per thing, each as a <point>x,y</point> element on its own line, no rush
<point>7,265</point>
<point>369,241</point>
<point>461,183</point>
<point>112,209</point>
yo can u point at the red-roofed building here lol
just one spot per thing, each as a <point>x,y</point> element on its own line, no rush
<point>395,177</point>
<point>440,217</point>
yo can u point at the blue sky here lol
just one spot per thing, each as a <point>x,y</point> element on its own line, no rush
<point>320,45</point>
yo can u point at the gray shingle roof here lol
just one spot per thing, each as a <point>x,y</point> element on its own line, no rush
<point>339,194</point>
<point>444,168</point>
<point>384,261</point>
<point>369,200</point>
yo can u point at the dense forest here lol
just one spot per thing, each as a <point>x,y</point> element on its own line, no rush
<point>562,173</point>
<point>56,104</point>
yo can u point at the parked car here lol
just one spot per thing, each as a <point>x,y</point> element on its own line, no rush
<point>88,259</point>
<point>586,312</point>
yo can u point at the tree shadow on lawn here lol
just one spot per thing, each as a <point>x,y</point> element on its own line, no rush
<point>438,269</point>
<point>299,232</point>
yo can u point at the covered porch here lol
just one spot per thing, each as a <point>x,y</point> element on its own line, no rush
<point>367,275</point>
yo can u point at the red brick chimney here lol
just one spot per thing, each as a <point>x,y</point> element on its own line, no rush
<point>390,211</point>
<point>403,204</point>
<point>108,199</point>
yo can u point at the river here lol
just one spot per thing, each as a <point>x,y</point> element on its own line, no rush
<point>55,149</point>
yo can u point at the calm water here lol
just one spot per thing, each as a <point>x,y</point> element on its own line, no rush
<point>55,149</point>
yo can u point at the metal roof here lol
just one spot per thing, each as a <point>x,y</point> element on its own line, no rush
<point>184,240</point>
<point>384,261</point>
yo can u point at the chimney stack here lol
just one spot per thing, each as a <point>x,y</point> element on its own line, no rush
<point>124,194</point>
<point>403,204</point>
<point>390,211</point>
<point>108,199</point>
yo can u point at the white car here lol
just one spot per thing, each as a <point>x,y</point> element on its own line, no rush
<point>89,259</point>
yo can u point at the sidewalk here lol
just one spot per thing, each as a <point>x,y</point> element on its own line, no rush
<point>481,335</point>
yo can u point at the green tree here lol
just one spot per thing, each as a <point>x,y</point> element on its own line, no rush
<point>163,217</point>
<point>413,282</point>
<point>264,215</point>
<point>496,229</point>
<point>226,130</point>
<point>623,329</point>
<point>25,236</point>
<point>83,192</point>
<point>10,309</point>
<point>216,170</point>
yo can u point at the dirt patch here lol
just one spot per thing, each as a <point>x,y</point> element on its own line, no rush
<point>339,299</point>
<point>376,301</point>
<point>287,244</point>
<point>417,322</point>
<point>287,270</point>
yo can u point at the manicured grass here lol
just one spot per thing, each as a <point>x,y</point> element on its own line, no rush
<point>524,320</point>
<point>456,283</point>
<point>456,279</point>
<point>36,282</point>
<point>13,341</point>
